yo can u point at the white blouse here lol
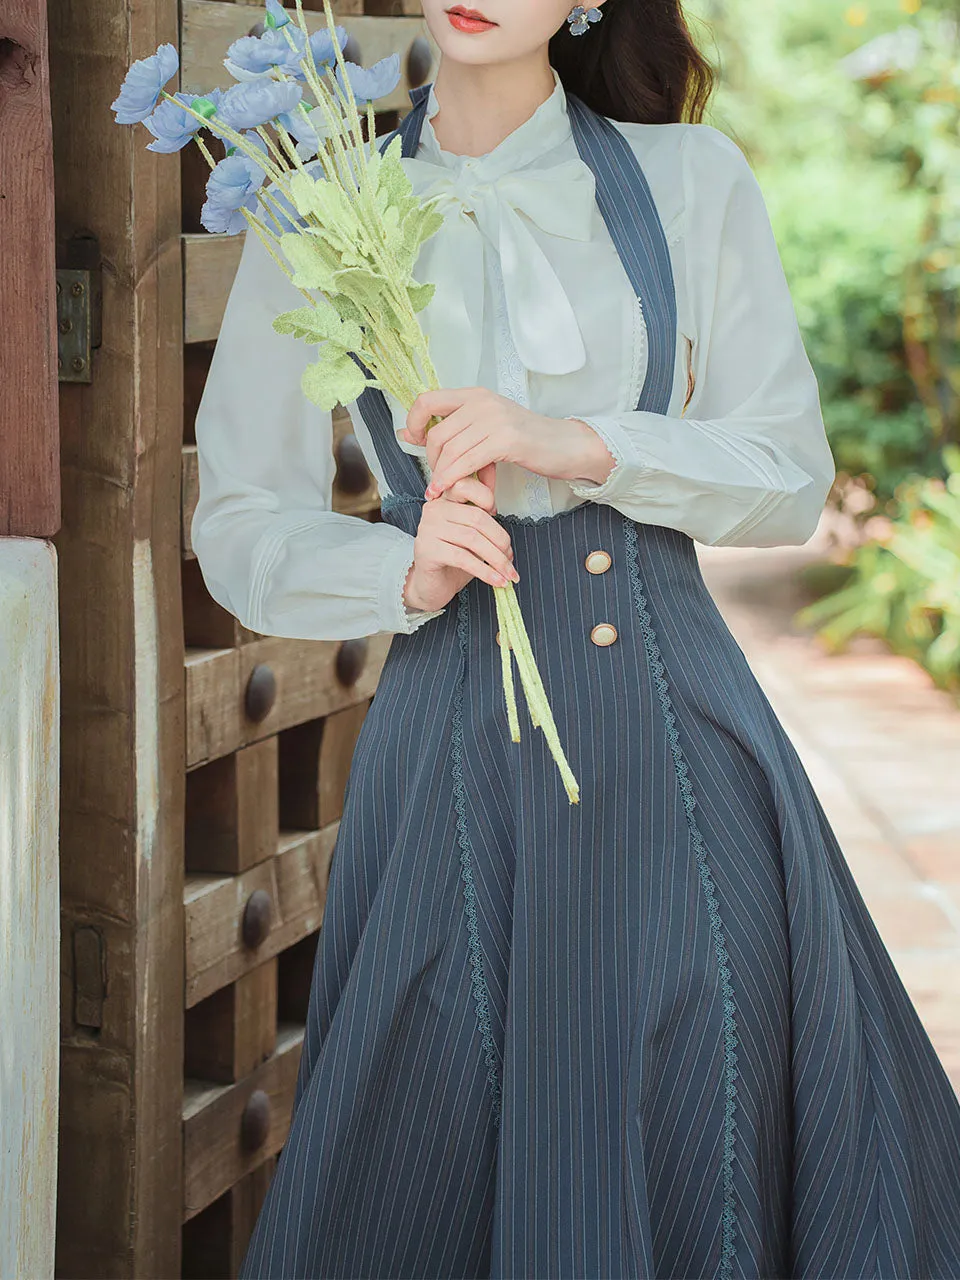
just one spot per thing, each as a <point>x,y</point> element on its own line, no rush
<point>533,301</point>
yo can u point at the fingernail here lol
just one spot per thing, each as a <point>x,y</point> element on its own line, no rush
<point>514,575</point>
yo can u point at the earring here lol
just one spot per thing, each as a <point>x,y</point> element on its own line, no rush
<point>578,17</point>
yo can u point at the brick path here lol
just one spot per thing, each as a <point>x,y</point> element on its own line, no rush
<point>882,747</point>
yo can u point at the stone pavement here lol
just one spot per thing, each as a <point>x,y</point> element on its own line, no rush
<point>882,747</point>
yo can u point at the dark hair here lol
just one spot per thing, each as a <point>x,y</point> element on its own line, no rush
<point>638,63</point>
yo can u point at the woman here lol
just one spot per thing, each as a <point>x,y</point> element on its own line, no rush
<point>654,1033</point>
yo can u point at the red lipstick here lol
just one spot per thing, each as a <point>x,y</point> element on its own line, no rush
<point>468,19</point>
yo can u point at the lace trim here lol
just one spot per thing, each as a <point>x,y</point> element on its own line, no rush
<point>640,355</point>
<point>479,982</point>
<point>730,1039</point>
<point>585,488</point>
<point>414,618</point>
<point>391,500</point>
<point>511,372</point>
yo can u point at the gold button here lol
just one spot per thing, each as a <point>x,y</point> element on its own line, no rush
<point>603,633</point>
<point>598,562</point>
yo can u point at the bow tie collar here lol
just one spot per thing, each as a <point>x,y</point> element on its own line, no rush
<point>488,202</point>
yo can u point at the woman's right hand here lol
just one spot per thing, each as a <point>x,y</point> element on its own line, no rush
<point>458,538</point>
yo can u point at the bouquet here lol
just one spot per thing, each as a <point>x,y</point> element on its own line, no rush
<point>339,219</point>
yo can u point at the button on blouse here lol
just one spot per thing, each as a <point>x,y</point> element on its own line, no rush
<point>532,301</point>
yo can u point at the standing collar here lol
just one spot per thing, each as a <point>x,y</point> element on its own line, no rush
<point>548,126</point>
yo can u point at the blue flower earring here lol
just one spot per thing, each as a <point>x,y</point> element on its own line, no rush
<point>578,17</point>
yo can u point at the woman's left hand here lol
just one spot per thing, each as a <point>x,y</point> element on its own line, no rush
<point>480,427</point>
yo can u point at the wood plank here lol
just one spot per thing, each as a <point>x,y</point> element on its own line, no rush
<point>122,673</point>
<point>298,770</point>
<point>340,7</point>
<point>232,1032</point>
<point>206,624</point>
<point>215,1241</point>
<point>394,8</point>
<point>231,811</point>
<point>189,497</point>
<point>314,765</point>
<point>209,26</point>
<point>29,432</point>
<point>306,676</point>
<point>209,265</point>
<point>197,357</point>
<point>306,680</point>
<point>212,679</point>
<point>295,882</point>
<point>219,1146</point>
<point>294,979</point>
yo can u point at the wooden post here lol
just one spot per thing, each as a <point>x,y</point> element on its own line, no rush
<point>29,463</point>
<point>29,679</point>
<point>120,1189</point>
<point>173,712</point>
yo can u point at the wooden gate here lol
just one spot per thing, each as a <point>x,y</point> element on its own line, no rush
<point>203,765</point>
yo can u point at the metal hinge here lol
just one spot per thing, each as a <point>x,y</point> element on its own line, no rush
<point>79,309</point>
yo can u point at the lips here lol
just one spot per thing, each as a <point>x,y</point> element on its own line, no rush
<point>474,14</point>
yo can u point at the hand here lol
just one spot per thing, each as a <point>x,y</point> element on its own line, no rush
<point>458,538</point>
<point>480,428</point>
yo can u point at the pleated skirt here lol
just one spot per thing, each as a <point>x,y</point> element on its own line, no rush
<point>654,1034</point>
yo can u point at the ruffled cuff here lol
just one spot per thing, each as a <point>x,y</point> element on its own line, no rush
<point>398,615</point>
<point>627,464</point>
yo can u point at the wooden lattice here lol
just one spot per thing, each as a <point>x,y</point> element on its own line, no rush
<point>187,964</point>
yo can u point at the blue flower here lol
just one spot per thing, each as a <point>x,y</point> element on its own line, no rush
<point>305,135</point>
<point>322,45</point>
<point>258,55</point>
<point>233,185</point>
<point>221,220</point>
<point>233,180</point>
<point>246,106</point>
<point>173,128</point>
<point>372,82</point>
<point>143,85</point>
<point>253,140</point>
<point>275,15</point>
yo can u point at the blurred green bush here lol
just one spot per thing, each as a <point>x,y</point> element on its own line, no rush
<point>850,115</point>
<point>905,588</point>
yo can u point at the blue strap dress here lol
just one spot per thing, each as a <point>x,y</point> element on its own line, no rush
<point>654,1034</point>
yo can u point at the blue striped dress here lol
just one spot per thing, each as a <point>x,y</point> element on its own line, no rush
<point>654,1034</point>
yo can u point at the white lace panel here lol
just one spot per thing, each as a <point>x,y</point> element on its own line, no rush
<point>512,382</point>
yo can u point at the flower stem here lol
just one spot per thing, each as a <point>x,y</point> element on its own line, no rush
<point>509,694</point>
<point>205,151</point>
<point>537,701</point>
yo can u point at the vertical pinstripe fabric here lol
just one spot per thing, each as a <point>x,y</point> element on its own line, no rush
<point>655,1034</point>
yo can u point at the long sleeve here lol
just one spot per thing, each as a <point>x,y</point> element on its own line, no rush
<point>748,463</point>
<point>271,550</point>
